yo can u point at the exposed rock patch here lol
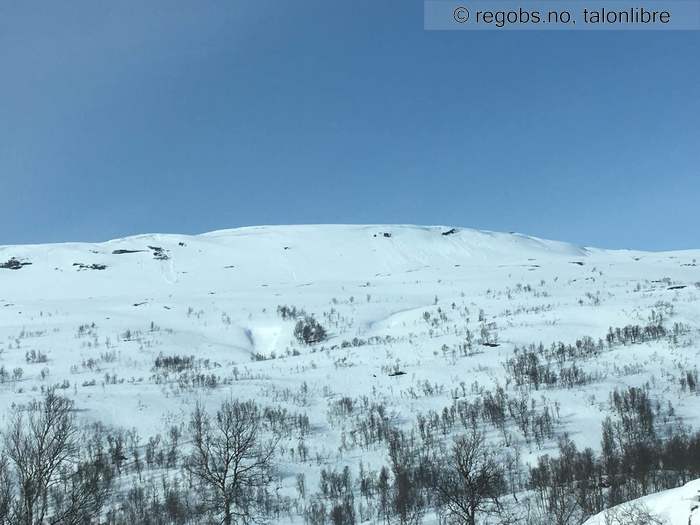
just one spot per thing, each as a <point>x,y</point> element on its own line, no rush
<point>14,264</point>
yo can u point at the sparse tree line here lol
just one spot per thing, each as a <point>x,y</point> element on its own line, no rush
<point>689,380</point>
<point>53,471</point>
<point>512,417</point>
<point>222,469</point>
<point>635,460</point>
<point>515,418</point>
<point>537,366</point>
<point>464,480</point>
<point>655,330</point>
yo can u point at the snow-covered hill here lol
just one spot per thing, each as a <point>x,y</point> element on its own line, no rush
<point>417,318</point>
<point>279,255</point>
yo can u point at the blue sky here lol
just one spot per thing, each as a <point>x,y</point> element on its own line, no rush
<point>119,118</point>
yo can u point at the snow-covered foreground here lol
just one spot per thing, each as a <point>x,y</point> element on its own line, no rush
<point>417,318</point>
<point>679,506</point>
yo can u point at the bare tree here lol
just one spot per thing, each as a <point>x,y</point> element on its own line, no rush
<point>472,481</point>
<point>82,492</point>
<point>6,495</point>
<point>39,443</point>
<point>230,459</point>
<point>53,484</point>
<point>561,505</point>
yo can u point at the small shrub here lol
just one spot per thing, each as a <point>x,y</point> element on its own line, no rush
<point>309,331</point>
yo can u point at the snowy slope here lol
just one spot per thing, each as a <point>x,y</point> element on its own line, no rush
<point>408,295</point>
<point>283,255</point>
<point>679,506</point>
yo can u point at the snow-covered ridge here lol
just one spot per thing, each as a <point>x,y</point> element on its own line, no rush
<point>267,255</point>
<point>328,233</point>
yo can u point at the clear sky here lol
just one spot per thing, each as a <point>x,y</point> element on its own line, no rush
<point>128,117</point>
